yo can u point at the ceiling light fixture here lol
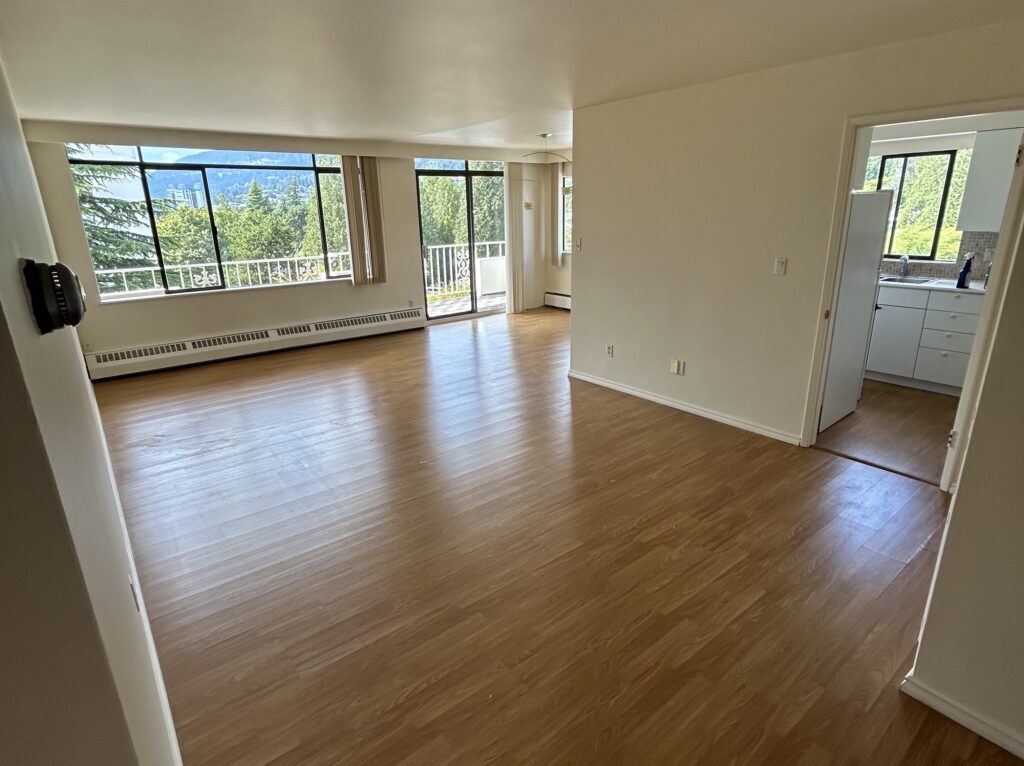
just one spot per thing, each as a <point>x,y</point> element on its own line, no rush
<point>544,149</point>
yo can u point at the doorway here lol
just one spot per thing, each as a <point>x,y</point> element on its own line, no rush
<point>462,235</point>
<point>928,314</point>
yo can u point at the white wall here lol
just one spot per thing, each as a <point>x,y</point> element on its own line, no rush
<point>970,659</point>
<point>68,422</point>
<point>165,318</point>
<point>558,276</point>
<point>684,198</point>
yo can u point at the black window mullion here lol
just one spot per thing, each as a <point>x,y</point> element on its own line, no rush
<point>323,228</point>
<point>472,240</point>
<point>899,201</point>
<point>213,229</point>
<point>152,227</point>
<point>942,204</point>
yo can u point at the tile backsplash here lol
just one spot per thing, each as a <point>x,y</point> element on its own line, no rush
<point>972,242</point>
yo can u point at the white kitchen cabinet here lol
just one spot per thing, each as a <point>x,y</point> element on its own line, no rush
<point>931,344</point>
<point>937,366</point>
<point>988,180</point>
<point>895,338</point>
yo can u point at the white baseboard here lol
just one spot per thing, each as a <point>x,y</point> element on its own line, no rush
<point>1007,739</point>
<point>693,409</point>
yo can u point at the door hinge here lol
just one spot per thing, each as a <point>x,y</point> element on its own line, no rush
<point>1019,150</point>
<point>828,313</point>
<point>135,596</point>
<point>951,439</point>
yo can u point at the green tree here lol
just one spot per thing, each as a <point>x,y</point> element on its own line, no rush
<point>256,231</point>
<point>293,208</point>
<point>443,210</point>
<point>117,229</point>
<point>185,235</point>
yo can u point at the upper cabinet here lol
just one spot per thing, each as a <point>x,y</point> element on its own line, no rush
<point>988,179</point>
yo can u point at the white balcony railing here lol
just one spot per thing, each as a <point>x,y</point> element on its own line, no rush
<point>145,280</point>
<point>447,275</point>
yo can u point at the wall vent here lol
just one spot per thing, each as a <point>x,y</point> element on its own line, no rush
<point>295,329</point>
<point>337,324</point>
<point>230,340</point>
<point>407,314</point>
<point>140,353</point>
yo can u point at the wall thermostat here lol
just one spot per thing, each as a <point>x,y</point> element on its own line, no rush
<point>56,295</point>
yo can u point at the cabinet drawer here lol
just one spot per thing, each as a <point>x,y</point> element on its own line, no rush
<point>901,296</point>
<point>944,340</point>
<point>951,321</point>
<point>948,367</point>
<point>962,303</point>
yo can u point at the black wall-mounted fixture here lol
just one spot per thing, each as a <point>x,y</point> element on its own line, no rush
<point>56,293</point>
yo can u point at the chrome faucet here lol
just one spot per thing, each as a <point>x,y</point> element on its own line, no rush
<point>904,266</point>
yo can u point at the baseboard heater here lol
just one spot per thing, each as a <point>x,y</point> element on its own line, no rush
<point>106,364</point>
<point>558,300</point>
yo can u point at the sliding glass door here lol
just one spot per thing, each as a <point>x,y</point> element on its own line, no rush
<point>462,233</point>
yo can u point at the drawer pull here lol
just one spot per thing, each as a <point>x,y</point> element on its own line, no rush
<point>952,316</point>
<point>943,353</point>
<point>949,335</point>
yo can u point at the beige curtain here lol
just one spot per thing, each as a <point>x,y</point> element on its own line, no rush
<point>365,219</point>
<point>377,271</point>
<point>515,236</point>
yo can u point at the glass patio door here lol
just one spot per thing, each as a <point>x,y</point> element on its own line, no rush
<point>462,233</point>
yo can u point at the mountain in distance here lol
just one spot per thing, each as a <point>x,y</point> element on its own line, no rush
<point>233,183</point>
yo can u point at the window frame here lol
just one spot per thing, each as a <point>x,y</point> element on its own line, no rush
<point>468,175</point>
<point>564,192</point>
<point>906,156</point>
<point>143,166</point>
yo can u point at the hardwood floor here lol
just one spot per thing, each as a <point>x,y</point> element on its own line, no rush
<point>435,548</point>
<point>902,429</point>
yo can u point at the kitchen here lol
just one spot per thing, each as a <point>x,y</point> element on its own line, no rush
<point>942,188</point>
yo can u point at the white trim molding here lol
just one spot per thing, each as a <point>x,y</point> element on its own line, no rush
<point>1009,740</point>
<point>693,409</point>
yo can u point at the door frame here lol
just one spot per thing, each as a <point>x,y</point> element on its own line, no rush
<point>468,175</point>
<point>853,149</point>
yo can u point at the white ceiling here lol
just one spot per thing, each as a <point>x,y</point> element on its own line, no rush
<point>472,72</point>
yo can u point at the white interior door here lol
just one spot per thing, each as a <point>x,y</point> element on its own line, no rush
<point>866,220</point>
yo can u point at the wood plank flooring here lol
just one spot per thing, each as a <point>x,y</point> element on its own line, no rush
<point>434,548</point>
<point>902,429</point>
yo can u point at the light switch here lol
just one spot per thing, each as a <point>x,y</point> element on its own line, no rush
<point>780,267</point>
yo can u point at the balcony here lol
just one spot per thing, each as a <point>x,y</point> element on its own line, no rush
<point>447,270</point>
<point>145,281</point>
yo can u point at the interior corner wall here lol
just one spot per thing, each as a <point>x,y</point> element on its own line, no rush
<point>63,641</point>
<point>527,185</point>
<point>685,198</point>
<point>124,324</point>
<point>969,656</point>
<point>56,675</point>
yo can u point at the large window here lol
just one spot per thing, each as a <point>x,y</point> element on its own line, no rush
<point>462,233</point>
<point>166,220</point>
<point>928,189</point>
<point>565,216</point>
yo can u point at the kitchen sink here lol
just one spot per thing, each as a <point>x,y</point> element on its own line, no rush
<point>907,280</point>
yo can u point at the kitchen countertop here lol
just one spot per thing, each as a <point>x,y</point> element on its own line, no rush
<point>977,286</point>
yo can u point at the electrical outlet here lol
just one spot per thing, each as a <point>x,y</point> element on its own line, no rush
<point>677,367</point>
<point>780,267</point>
<point>609,351</point>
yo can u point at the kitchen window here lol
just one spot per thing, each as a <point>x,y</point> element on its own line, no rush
<point>928,189</point>
<point>163,220</point>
